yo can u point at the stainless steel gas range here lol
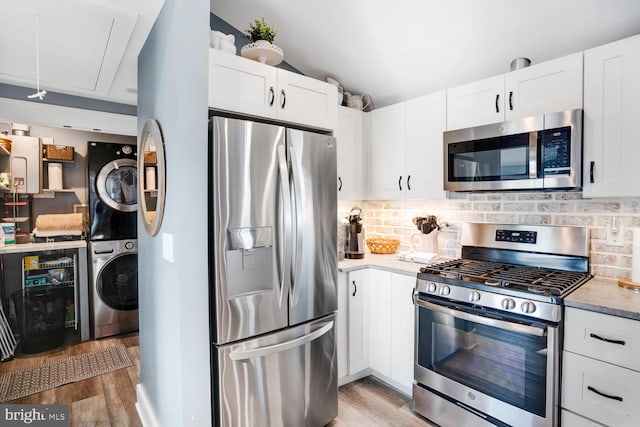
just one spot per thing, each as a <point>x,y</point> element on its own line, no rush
<point>489,325</point>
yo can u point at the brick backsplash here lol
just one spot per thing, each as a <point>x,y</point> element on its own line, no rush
<point>393,219</point>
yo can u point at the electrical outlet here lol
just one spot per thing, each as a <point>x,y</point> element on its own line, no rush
<point>615,236</point>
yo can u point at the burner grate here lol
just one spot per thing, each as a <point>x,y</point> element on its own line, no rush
<point>524,278</point>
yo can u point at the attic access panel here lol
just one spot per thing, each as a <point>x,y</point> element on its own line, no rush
<point>81,43</point>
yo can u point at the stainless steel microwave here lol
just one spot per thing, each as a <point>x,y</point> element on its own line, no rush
<point>533,153</point>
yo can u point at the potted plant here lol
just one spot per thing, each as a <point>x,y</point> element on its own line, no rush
<point>260,30</point>
<point>261,47</point>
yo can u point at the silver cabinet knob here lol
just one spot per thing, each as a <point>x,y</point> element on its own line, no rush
<point>508,304</point>
<point>474,296</point>
<point>528,307</point>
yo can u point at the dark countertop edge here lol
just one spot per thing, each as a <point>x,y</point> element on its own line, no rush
<point>634,315</point>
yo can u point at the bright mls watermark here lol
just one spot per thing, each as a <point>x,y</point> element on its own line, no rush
<point>34,415</point>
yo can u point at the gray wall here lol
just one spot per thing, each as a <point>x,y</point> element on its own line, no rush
<point>174,316</point>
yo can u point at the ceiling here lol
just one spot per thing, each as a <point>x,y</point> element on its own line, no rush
<point>398,50</point>
<point>85,47</point>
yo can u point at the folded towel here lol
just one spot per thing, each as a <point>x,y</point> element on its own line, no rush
<point>54,233</point>
<point>71,221</point>
<point>419,257</point>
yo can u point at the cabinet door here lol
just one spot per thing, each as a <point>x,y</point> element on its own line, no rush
<point>307,101</point>
<point>426,119</point>
<point>358,321</point>
<point>380,321</point>
<point>387,177</point>
<point>349,143</point>
<point>547,87</point>
<point>477,103</point>
<point>402,330</point>
<point>611,125</point>
<point>240,85</point>
<point>342,329</point>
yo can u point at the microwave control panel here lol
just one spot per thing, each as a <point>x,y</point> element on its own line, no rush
<point>556,151</point>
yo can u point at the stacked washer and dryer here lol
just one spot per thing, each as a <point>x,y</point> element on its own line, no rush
<point>113,246</point>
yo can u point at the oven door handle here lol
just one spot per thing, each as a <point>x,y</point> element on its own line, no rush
<point>502,324</point>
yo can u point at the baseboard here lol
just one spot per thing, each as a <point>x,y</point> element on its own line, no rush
<point>145,411</point>
<point>351,378</point>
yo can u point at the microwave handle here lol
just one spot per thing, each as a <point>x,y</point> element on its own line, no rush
<point>496,323</point>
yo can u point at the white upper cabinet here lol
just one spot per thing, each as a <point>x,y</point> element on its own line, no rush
<point>426,120</point>
<point>248,87</point>
<point>547,87</point>
<point>406,149</point>
<point>387,177</point>
<point>350,153</point>
<point>476,103</point>
<point>612,119</point>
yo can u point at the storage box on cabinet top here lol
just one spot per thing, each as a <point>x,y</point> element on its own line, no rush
<point>57,152</point>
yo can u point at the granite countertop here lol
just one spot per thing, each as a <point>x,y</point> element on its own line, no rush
<point>35,247</point>
<point>605,296</point>
<point>381,262</point>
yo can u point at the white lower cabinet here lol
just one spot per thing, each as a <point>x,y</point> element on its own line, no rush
<point>402,330</point>
<point>358,327</point>
<point>569,419</point>
<point>380,321</point>
<point>600,369</point>
<point>379,333</point>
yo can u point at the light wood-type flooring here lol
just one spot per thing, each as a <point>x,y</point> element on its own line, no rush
<point>109,399</point>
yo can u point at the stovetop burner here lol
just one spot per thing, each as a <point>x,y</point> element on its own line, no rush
<point>528,279</point>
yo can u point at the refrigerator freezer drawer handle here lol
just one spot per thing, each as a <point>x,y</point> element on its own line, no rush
<point>297,189</point>
<point>285,274</point>
<point>278,348</point>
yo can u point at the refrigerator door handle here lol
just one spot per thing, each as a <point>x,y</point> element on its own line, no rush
<point>285,273</point>
<point>278,348</point>
<point>297,200</point>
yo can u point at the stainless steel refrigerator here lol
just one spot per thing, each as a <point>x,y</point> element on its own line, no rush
<point>273,274</point>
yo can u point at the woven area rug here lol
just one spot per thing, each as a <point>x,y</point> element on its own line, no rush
<point>26,381</point>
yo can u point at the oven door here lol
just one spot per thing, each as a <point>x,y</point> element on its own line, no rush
<point>489,364</point>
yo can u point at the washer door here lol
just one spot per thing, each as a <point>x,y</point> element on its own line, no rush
<point>117,185</point>
<point>117,283</point>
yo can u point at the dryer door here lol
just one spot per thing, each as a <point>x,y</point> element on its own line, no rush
<point>117,185</point>
<point>117,282</point>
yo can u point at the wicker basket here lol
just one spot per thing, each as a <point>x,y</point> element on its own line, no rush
<point>58,152</point>
<point>383,246</point>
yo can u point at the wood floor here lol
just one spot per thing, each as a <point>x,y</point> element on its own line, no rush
<point>109,399</point>
<point>105,400</point>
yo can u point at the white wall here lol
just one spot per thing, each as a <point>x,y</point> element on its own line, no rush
<point>174,317</point>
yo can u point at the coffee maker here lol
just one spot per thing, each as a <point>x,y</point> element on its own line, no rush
<point>354,242</point>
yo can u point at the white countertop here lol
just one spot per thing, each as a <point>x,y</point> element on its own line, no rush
<point>35,247</point>
<point>381,262</point>
<point>605,296</point>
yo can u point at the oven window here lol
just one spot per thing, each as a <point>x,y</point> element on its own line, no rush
<point>492,159</point>
<point>509,366</point>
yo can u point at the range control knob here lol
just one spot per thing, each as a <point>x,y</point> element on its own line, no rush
<point>508,304</point>
<point>431,287</point>
<point>445,290</point>
<point>129,245</point>
<point>474,296</point>
<point>528,307</point>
